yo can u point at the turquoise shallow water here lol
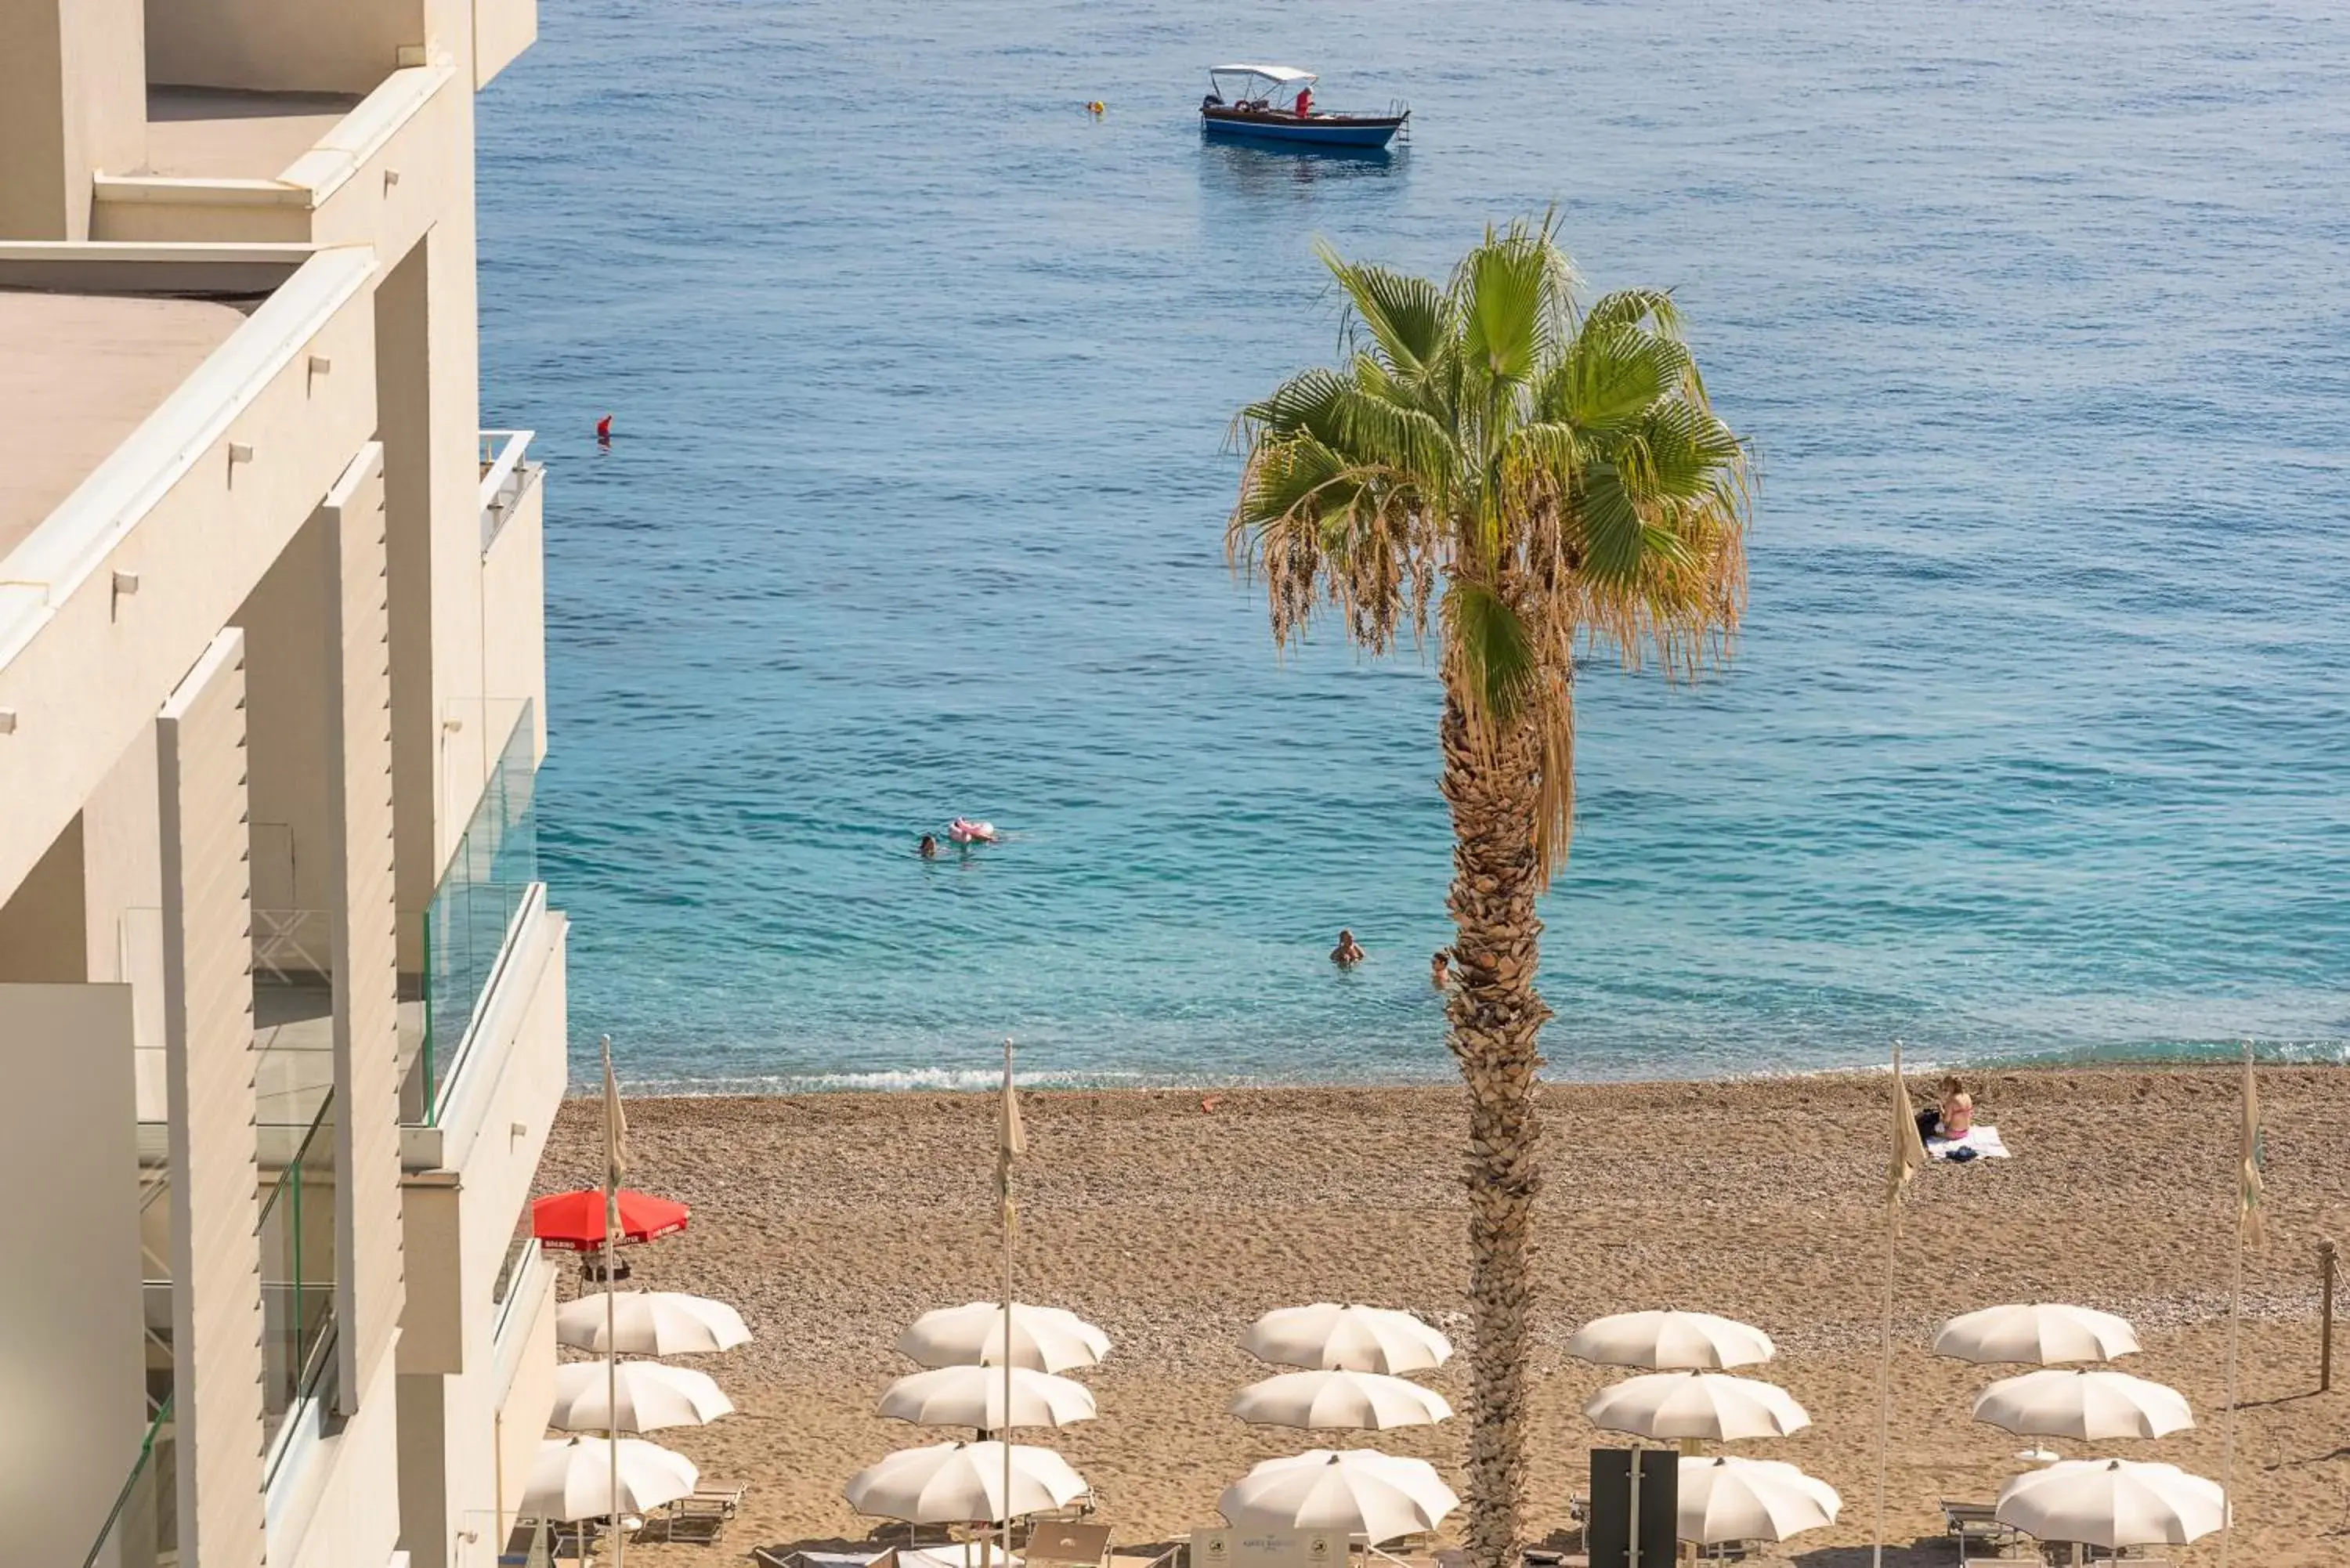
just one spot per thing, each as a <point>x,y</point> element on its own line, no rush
<point>2034,746</point>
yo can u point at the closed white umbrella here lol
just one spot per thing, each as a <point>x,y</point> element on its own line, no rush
<point>1366,1401</point>
<point>1358,1492</point>
<point>962,1483</point>
<point>572,1478</point>
<point>1706,1405</point>
<point>651,1396</point>
<point>2091,1405</point>
<point>1329,1336</point>
<point>973,1396</point>
<point>651,1323</point>
<point>1671,1341</point>
<point>2113,1503</point>
<point>1729,1498</point>
<point>1044,1339</point>
<point>2040,1334</point>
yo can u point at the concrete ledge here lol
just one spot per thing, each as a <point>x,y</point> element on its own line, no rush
<point>75,539</point>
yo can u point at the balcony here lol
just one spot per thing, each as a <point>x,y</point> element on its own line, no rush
<point>508,473</point>
<point>322,168</point>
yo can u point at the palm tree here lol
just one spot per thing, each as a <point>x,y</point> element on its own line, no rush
<point>1542,477</point>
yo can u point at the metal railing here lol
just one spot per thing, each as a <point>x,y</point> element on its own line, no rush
<point>473,917</point>
<point>143,1525</point>
<point>505,474</point>
<point>299,1267</point>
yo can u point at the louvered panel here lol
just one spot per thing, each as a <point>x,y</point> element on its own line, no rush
<point>209,1074</point>
<point>365,957</point>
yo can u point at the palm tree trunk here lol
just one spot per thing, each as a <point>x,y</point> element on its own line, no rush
<point>1494,1016</point>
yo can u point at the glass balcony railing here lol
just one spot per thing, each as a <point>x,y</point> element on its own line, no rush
<point>142,1528</point>
<point>472,913</point>
<point>297,1273</point>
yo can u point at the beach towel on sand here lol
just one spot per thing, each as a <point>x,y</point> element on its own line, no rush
<point>1983,1140</point>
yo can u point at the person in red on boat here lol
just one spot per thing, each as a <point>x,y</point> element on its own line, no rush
<point>1305,101</point>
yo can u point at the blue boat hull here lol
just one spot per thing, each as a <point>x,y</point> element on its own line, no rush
<point>1353,130</point>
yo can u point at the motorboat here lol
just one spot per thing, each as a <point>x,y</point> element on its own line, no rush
<point>1275,103</point>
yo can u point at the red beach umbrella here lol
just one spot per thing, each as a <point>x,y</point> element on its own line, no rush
<point>574,1221</point>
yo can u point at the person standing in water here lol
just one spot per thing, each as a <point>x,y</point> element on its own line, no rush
<point>1349,952</point>
<point>1440,969</point>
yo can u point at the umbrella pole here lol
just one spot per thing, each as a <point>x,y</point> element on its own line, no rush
<point>2235,1336</point>
<point>1006,1430</point>
<point>611,1320</point>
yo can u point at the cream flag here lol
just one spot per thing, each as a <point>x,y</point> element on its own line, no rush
<point>1908,1149</point>
<point>1011,1139</point>
<point>616,1144</point>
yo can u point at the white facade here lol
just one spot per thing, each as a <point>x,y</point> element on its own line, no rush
<point>280,994</point>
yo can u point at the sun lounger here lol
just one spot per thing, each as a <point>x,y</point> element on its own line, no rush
<point>1069,1544</point>
<point>1973,1524</point>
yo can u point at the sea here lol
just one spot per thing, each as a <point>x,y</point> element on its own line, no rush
<point>923,378</point>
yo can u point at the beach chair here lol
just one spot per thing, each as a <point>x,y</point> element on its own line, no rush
<point>1976,1524</point>
<point>1069,1544</point>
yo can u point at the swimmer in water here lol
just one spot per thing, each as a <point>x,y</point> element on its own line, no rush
<point>1349,952</point>
<point>929,848</point>
<point>964,831</point>
<point>1439,969</point>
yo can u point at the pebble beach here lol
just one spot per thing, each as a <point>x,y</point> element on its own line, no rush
<point>1172,1219</point>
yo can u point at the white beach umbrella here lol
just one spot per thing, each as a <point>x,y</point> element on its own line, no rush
<point>572,1478</point>
<point>1368,1401</point>
<point>1356,1490</point>
<point>651,1322</point>
<point>2091,1405</point>
<point>651,1396</point>
<point>2042,1333</point>
<point>973,1396</point>
<point>1044,1339</point>
<point>2112,1502</point>
<point>962,1483</point>
<point>1671,1341</point>
<point>1331,1337</point>
<point>1729,1499</point>
<point>1696,1405</point>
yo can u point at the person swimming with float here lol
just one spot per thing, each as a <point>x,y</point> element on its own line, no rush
<point>964,831</point>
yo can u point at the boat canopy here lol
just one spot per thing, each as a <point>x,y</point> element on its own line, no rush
<point>1280,76</point>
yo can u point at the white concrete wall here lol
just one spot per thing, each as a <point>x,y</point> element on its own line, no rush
<point>501,30</point>
<point>513,613</point>
<point>354,1517</point>
<point>73,100</point>
<point>42,924</point>
<point>70,1371</point>
<point>279,45</point>
<point>290,698</point>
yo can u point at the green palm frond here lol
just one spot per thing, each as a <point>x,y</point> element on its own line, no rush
<point>1407,317</point>
<point>1545,480</point>
<point>1493,650</point>
<point>1509,291</point>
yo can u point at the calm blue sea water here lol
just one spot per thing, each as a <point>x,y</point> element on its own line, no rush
<point>2039,315</point>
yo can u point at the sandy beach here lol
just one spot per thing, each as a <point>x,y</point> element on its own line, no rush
<point>832,1220</point>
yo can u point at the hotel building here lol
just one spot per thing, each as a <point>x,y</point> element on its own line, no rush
<point>280,994</point>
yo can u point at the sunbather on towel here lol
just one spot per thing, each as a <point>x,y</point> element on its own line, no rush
<point>1950,1133</point>
<point>1956,1109</point>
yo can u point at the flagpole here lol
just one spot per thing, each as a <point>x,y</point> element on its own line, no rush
<point>1885,1336</point>
<point>611,1310</point>
<point>1003,1433</point>
<point>2244,1158</point>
